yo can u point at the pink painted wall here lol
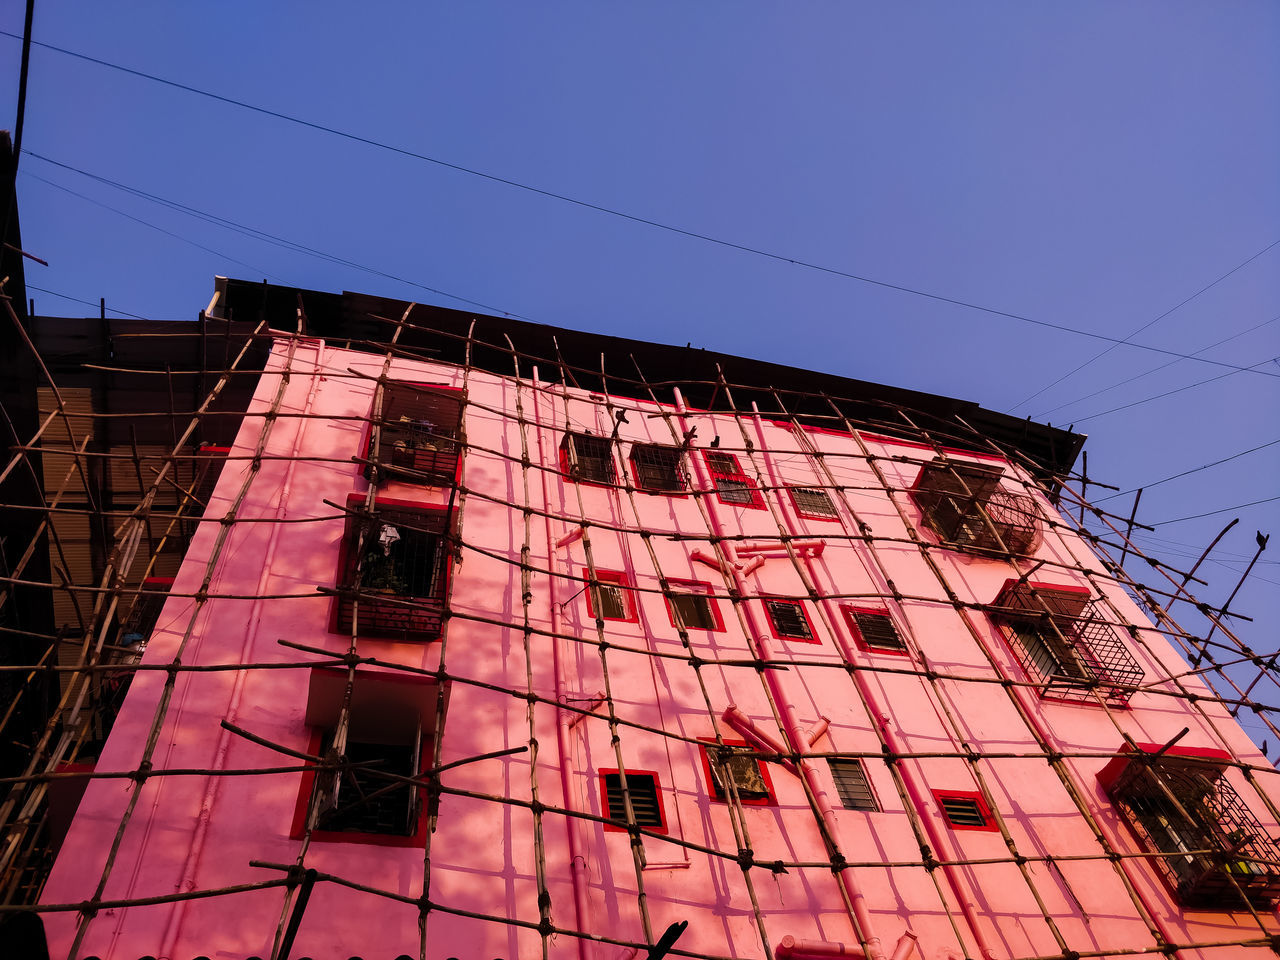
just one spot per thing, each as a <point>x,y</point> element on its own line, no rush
<point>194,832</point>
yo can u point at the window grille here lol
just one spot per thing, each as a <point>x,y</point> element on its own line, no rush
<point>584,458</point>
<point>645,802</point>
<point>963,812</point>
<point>732,485</point>
<point>395,565</point>
<point>965,506</point>
<point>1218,854</point>
<point>737,765</point>
<point>659,469</point>
<point>609,597</point>
<point>1064,642</point>
<point>813,503</point>
<point>416,434</point>
<point>789,619</point>
<point>356,799</point>
<point>852,785</point>
<point>874,630</point>
<point>695,610</point>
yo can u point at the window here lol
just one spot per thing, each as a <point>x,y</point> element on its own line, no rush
<point>415,433</point>
<point>610,597</point>
<point>964,504</point>
<point>852,784</point>
<point>814,504</point>
<point>732,485</point>
<point>1064,642</point>
<point>697,608</point>
<point>1180,803</point>
<point>735,763</point>
<point>789,620</point>
<point>873,630</point>
<point>387,736</point>
<point>394,576</point>
<point>965,810</point>
<point>646,800</point>
<point>587,459</point>
<point>659,469</point>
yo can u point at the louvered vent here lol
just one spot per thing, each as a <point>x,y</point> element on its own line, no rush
<point>877,631</point>
<point>963,811</point>
<point>788,619</point>
<point>852,785</point>
<point>644,799</point>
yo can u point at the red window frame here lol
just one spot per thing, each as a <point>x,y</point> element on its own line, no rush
<point>801,512</point>
<point>850,612</point>
<point>714,793</point>
<point>622,582</point>
<point>622,814</point>
<point>798,604</point>
<point>564,461</point>
<point>757,499</point>
<point>989,822</point>
<point>699,587</point>
<point>408,475</point>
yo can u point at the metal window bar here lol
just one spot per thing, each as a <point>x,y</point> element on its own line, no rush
<point>788,618</point>
<point>814,502</point>
<point>659,468</point>
<point>732,485</point>
<point>965,506</point>
<point>852,785</point>
<point>877,631</point>
<point>358,800</point>
<point>643,789</point>
<point>589,458</point>
<point>417,435</point>
<point>397,570</point>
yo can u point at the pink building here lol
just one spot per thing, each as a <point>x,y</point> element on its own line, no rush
<point>477,664</point>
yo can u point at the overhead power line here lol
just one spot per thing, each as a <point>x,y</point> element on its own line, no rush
<point>1184,473</point>
<point>91,303</point>
<point>1167,393</point>
<point>600,208</point>
<point>1213,513</point>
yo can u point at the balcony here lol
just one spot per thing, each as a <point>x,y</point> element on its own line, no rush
<point>965,506</point>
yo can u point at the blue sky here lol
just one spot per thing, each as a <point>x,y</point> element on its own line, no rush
<point>1087,165</point>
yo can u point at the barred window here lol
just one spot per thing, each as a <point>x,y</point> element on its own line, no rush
<point>789,620</point>
<point>416,433</point>
<point>587,459</point>
<point>610,597</point>
<point>659,469</point>
<point>358,800</point>
<point>813,503</point>
<point>732,485</point>
<point>873,630</point>
<point>852,785</point>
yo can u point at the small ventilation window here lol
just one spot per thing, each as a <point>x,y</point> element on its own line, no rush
<point>789,620</point>
<point>852,784</point>
<point>965,810</point>
<point>609,598</point>
<point>659,469</point>
<point>736,764</point>
<point>587,459</point>
<point>646,800</point>
<point>732,485</point>
<point>874,631</point>
<point>814,504</point>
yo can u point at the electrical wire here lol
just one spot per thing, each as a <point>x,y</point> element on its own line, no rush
<point>1212,513</point>
<point>1148,486</point>
<point>64,296</point>
<point>600,208</point>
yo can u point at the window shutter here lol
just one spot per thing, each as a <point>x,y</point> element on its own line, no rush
<point>852,784</point>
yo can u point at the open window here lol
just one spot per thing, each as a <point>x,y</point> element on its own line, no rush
<point>732,485</point>
<point>394,575</point>
<point>646,800</point>
<point>658,468</point>
<point>873,630</point>
<point>852,785</point>
<point>363,793</point>
<point>1179,803</point>
<point>610,597</point>
<point>964,504</point>
<point>813,503</point>
<point>736,763</point>
<point>415,434</point>
<point>1064,642</point>
<point>585,458</point>
<point>789,620</point>
<point>965,810</point>
<point>696,607</point>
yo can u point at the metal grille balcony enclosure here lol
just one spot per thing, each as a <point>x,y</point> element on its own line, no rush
<point>587,458</point>
<point>1064,641</point>
<point>964,504</point>
<point>1219,855</point>
<point>416,433</point>
<point>395,565</point>
<point>659,469</point>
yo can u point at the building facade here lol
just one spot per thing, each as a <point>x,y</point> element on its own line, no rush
<point>508,659</point>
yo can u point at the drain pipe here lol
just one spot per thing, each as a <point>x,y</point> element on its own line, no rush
<point>792,727</point>
<point>565,719</point>
<point>881,718</point>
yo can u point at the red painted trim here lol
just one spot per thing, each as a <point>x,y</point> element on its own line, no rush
<point>791,490</point>
<point>165,582</point>
<point>622,814</point>
<point>702,587</point>
<point>813,634</point>
<point>960,451</point>
<point>628,593</point>
<point>770,801</point>
<point>859,641</point>
<point>1011,583</point>
<point>989,825</point>
<point>210,448</point>
<point>757,498</point>
<point>1109,774</point>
